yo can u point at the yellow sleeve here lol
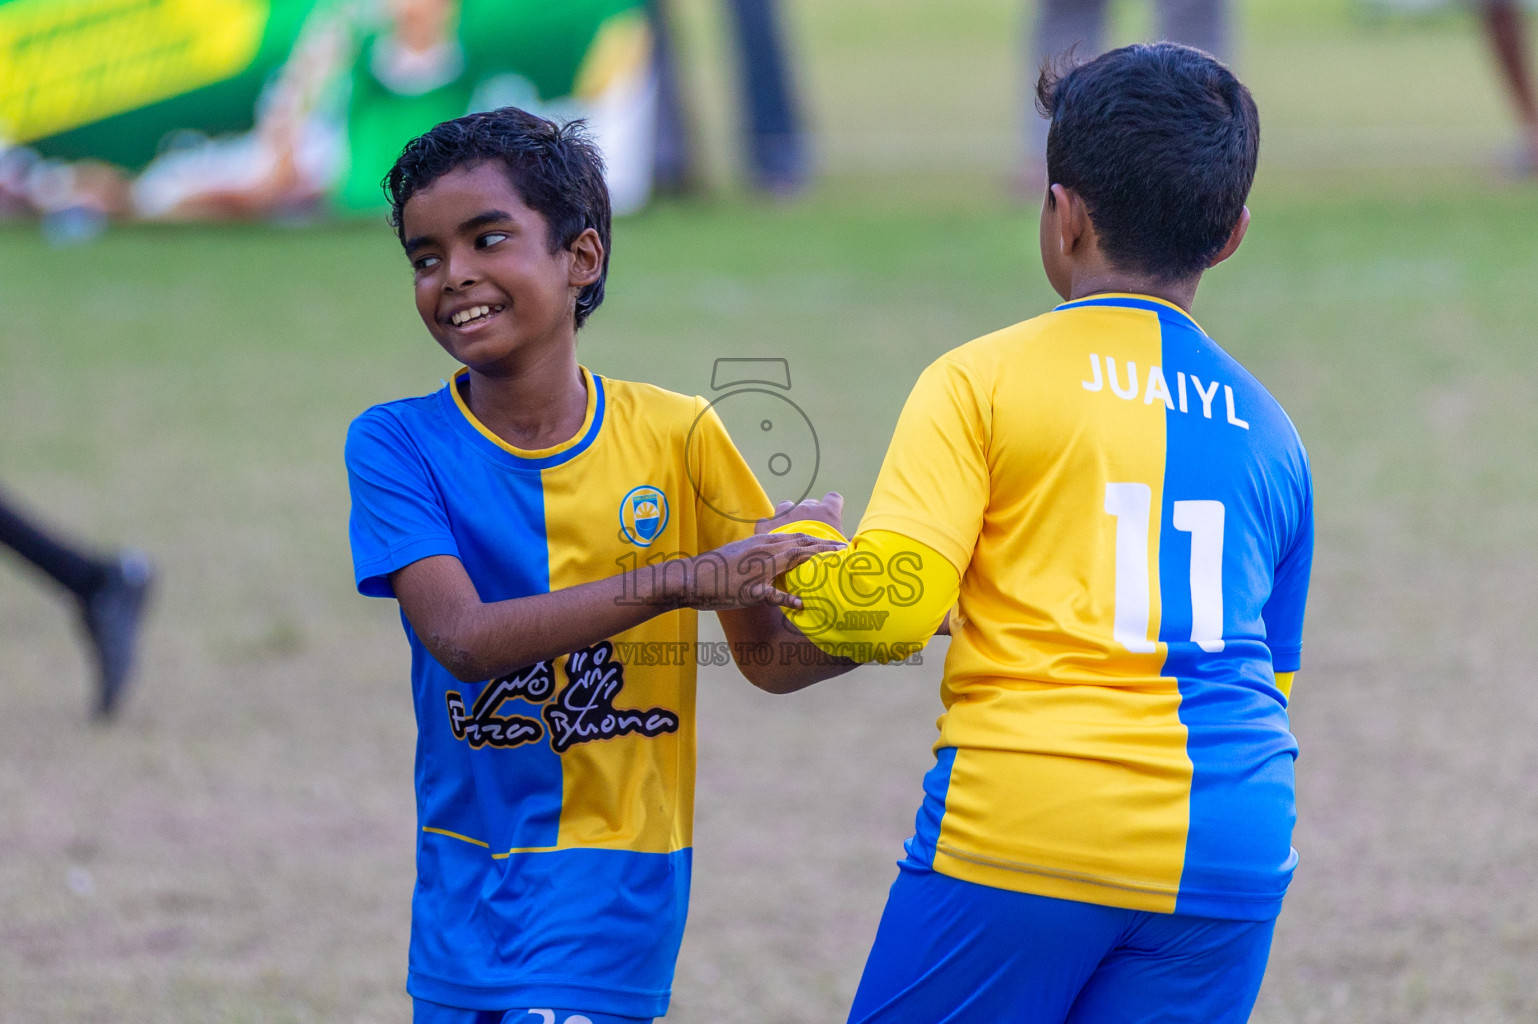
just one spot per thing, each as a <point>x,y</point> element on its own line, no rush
<point>728,499</point>
<point>934,482</point>
<point>1284,683</point>
<point>879,599</point>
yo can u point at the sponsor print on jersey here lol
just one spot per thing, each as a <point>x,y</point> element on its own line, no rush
<point>484,727</point>
<point>585,709</point>
<point>583,712</point>
<point>643,514</point>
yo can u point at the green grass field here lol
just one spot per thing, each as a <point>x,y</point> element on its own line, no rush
<point>238,848</point>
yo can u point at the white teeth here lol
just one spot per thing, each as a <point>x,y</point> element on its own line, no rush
<point>464,316</point>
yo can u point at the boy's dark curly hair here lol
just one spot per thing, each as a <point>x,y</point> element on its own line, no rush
<point>556,170</point>
<point>1161,141</point>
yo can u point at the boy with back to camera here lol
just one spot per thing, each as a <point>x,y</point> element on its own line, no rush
<point>1122,518</point>
<point>554,772</point>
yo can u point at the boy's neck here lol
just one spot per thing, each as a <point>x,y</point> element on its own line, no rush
<point>1102,281</point>
<point>534,404</point>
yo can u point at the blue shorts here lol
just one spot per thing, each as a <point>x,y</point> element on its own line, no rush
<point>954,951</point>
<point>424,1012</point>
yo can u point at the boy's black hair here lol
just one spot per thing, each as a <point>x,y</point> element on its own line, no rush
<point>556,170</point>
<point>1161,142</point>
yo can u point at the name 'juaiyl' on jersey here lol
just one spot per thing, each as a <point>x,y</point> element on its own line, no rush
<point>1132,518</point>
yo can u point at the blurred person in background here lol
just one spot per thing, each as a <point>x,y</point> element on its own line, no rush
<point>110,593</point>
<point>774,140</point>
<point>1505,26</point>
<point>1079,27</point>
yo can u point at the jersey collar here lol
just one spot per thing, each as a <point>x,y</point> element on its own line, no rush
<point>531,458</point>
<point>1126,300</point>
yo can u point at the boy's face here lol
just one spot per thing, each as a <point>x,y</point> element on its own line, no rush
<point>487,285</point>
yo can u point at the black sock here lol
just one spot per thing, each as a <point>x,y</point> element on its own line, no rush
<point>79,573</point>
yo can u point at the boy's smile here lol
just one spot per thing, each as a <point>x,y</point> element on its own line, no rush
<point>488,286</point>
<point>469,319</point>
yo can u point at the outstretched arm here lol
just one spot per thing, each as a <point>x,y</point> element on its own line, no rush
<point>879,599</point>
<point>774,655</point>
<point>769,651</point>
<point>477,640</point>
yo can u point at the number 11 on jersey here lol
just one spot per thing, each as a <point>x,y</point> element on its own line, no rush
<point>1131,505</point>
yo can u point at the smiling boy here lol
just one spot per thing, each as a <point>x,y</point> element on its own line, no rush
<point>554,781</point>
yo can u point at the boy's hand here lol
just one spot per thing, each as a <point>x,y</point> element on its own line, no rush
<point>830,510</point>
<point>742,574</point>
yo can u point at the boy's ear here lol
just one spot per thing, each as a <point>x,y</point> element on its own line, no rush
<point>586,258</point>
<point>1072,218</point>
<point>1234,238</point>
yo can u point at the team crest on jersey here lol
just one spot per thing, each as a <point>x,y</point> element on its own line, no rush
<point>643,514</point>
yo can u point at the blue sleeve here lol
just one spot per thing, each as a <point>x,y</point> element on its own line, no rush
<point>1283,612</point>
<point>397,512</point>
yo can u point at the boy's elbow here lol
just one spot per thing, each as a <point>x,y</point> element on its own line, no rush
<point>757,674</point>
<point>467,671</point>
<point>769,665</point>
<point>771,679</point>
<point>790,675</point>
<point>462,663</point>
<point>467,674</point>
<point>463,645</point>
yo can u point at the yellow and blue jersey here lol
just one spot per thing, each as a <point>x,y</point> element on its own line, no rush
<point>554,804</point>
<point>1131,517</point>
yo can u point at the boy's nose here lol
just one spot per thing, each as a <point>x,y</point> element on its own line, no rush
<point>459,272</point>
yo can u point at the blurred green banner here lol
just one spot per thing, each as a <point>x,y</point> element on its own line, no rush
<point>241,107</point>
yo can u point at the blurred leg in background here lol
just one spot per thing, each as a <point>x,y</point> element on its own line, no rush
<point>675,167</point>
<point>776,148</point>
<point>1079,26</point>
<point>1203,24</point>
<point>1061,27</point>
<point>1506,28</point>
<point>110,593</point>
<point>778,157</point>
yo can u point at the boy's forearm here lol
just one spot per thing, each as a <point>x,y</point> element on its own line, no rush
<point>507,635</point>
<point>476,640</point>
<point>776,656</point>
<point>773,655</point>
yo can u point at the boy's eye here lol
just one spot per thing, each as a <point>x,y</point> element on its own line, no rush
<point>491,238</point>
<point>425,262</point>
